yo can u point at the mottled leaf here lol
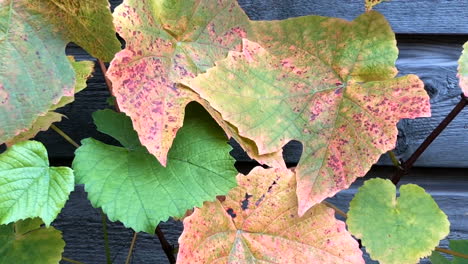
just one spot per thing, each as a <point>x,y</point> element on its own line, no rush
<point>331,88</point>
<point>34,71</point>
<point>165,42</point>
<point>396,230</point>
<point>371,3</point>
<point>29,187</point>
<point>258,223</point>
<point>132,187</point>
<point>463,70</point>
<point>88,23</point>
<point>27,242</point>
<point>83,70</point>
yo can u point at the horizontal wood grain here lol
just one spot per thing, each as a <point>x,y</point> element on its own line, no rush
<point>405,16</point>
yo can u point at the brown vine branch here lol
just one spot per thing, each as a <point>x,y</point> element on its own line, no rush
<point>130,250</point>
<point>451,252</point>
<point>168,248</point>
<point>408,164</point>
<point>108,82</point>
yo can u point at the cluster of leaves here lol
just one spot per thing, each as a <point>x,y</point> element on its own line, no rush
<point>326,82</point>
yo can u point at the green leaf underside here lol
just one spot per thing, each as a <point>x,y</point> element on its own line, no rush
<point>26,242</point>
<point>87,23</point>
<point>323,81</point>
<point>34,71</point>
<point>460,246</point>
<point>29,187</point>
<point>463,69</point>
<point>258,223</point>
<point>396,230</point>
<point>83,70</point>
<point>132,187</point>
<point>165,42</point>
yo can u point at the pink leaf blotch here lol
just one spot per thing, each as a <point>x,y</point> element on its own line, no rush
<point>258,223</point>
<point>165,43</point>
<point>332,88</point>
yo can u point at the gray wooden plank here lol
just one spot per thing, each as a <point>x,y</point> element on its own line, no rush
<point>415,16</point>
<point>81,224</point>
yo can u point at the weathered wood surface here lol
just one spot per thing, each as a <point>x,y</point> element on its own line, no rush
<point>405,16</point>
<point>432,58</point>
<point>81,224</point>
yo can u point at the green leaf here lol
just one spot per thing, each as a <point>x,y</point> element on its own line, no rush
<point>463,69</point>
<point>130,184</point>
<point>332,88</point>
<point>258,223</point>
<point>27,242</point>
<point>396,230</point>
<point>34,71</point>
<point>88,23</point>
<point>437,258</point>
<point>29,187</point>
<point>83,70</point>
<point>166,41</point>
<point>460,246</point>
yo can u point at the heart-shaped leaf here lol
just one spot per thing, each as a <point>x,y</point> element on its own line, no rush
<point>133,187</point>
<point>337,95</point>
<point>27,242</point>
<point>83,70</point>
<point>88,23</point>
<point>258,223</point>
<point>463,70</point>
<point>165,42</point>
<point>396,230</point>
<point>29,187</point>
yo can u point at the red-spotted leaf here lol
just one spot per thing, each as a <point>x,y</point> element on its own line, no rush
<point>167,41</point>
<point>463,70</point>
<point>325,82</point>
<point>34,71</point>
<point>258,223</point>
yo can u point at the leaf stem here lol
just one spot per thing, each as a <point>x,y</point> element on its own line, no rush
<point>106,237</point>
<point>65,136</point>
<point>130,250</point>
<point>108,82</point>
<point>337,210</point>
<point>451,252</point>
<point>168,248</point>
<point>71,260</point>
<point>394,159</point>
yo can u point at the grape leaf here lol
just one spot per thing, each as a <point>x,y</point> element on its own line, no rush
<point>88,23</point>
<point>130,184</point>
<point>83,70</point>
<point>258,223</point>
<point>29,187</point>
<point>34,71</point>
<point>463,70</point>
<point>371,3</point>
<point>460,246</point>
<point>27,242</point>
<point>332,88</point>
<point>167,41</point>
<point>396,230</point>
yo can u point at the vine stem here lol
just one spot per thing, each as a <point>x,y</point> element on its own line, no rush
<point>394,159</point>
<point>168,249</point>
<point>408,164</point>
<point>71,260</point>
<point>337,210</point>
<point>451,252</point>
<point>65,136</point>
<point>130,250</point>
<point>106,237</point>
<point>108,82</point>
